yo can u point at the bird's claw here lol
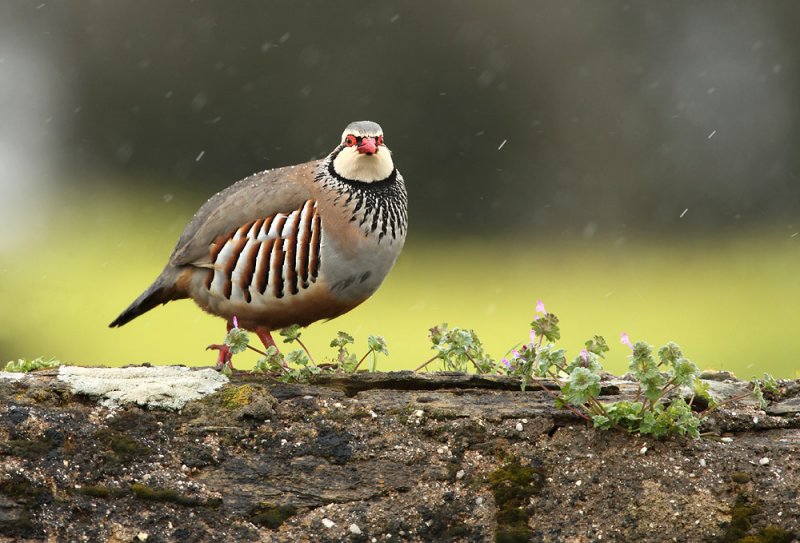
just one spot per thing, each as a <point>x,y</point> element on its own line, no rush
<point>224,357</point>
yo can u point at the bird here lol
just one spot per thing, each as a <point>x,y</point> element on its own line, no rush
<point>290,245</point>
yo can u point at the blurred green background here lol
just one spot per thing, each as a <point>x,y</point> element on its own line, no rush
<point>634,165</point>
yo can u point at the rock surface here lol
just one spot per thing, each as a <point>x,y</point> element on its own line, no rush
<point>384,457</point>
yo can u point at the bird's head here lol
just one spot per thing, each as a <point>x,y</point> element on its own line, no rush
<point>362,155</point>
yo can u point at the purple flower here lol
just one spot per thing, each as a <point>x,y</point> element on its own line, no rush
<point>625,340</point>
<point>506,363</point>
<point>235,322</point>
<point>515,354</point>
<point>540,307</point>
<point>533,337</point>
<point>585,356</point>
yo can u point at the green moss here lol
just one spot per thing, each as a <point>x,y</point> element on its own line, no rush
<point>145,492</point>
<point>403,414</point>
<point>236,397</point>
<point>741,523</point>
<point>20,488</point>
<point>513,485</point>
<point>740,477</point>
<point>770,534</point>
<point>98,491</point>
<point>774,534</point>
<point>122,449</point>
<point>26,448</point>
<point>28,495</point>
<point>272,516</point>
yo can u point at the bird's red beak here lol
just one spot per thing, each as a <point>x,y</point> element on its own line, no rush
<point>367,146</point>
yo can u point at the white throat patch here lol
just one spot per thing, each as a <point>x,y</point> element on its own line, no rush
<point>355,166</point>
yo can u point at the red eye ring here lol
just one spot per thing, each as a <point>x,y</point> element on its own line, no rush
<point>350,140</point>
<point>379,140</point>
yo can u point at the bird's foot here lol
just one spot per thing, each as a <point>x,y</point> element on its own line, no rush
<point>224,357</point>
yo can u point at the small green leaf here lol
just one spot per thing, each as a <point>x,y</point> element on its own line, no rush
<point>24,365</point>
<point>291,333</point>
<point>271,363</point>
<point>342,339</point>
<point>759,395</point>
<point>547,326</point>
<point>298,358</point>
<point>770,384</point>
<point>348,363</point>
<point>581,386</point>
<point>684,372</point>
<point>378,344</point>
<point>642,352</point>
<point>670,353</point>
<point>597,345</point>
<point>460,350</point>
<point>237,339</point>
<point>591,362</point>
<point>547,358</point>
<point>602,422</point>
<point>653,384</point>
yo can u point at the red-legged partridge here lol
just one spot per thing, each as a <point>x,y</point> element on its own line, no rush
<point>291,245</point>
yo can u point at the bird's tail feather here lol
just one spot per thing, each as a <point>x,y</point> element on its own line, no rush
<point>160,292</point>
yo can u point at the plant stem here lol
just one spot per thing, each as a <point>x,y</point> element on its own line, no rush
<point>362,359</point>
<point>426,363</point>
<point>259,351</point>
<point>595,402</point>
<point>473,362</point>
<point>303,345</point>
<point>262,353</point>
<point>729,400</point>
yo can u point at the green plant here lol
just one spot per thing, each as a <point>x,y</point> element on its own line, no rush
<point>768,384</point>
<point>457,349</point>
<point>25,365</point>
<point>299,366</point>
<point>657,409</point>
<point>348,362</point>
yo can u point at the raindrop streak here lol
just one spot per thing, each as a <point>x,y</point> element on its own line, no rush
<point>199,156</point>
<point>711,135</point>
<point>502,144</point>
<point>684,212</point>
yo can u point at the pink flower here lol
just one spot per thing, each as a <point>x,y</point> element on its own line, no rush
<point>515,354</point>
<point>506,363</point>
<point>533,337</point>
<point>585,356</point>
<point>235,322</point>
<point>540,307</point>
<point>625,340</point>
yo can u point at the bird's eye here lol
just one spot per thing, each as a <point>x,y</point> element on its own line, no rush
<point>379,140</point>
<point>350,140</point>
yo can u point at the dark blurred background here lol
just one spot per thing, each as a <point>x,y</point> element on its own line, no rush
<point>573,121</point>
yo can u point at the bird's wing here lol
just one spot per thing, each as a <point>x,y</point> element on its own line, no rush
<point>282,190</point>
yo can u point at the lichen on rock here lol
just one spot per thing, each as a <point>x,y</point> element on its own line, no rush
<point>165,387</point>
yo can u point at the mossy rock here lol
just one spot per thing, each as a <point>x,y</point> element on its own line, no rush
<point>149,493</point>
<point>272,516</point>
<point>513,485</point>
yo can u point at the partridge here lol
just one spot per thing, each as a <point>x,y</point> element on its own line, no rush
<point>291,245</point>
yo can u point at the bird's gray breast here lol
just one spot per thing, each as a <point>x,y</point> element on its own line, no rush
<point>361,246</point>
<point>356,273</point>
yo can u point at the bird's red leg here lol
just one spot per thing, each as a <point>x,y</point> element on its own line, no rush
<point>266,338</point>
<point>225,355</point>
